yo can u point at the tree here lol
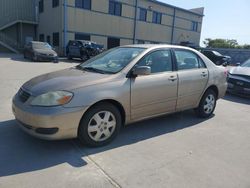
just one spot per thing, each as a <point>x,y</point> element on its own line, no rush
<point>221,43</point>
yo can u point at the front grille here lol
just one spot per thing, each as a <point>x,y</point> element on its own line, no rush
<point>23,95</point>
<point>243,76</point>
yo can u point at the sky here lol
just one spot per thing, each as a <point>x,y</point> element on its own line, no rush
<point>227,19</point>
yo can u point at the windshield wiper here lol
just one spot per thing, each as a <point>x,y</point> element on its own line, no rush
<point>92,69</point>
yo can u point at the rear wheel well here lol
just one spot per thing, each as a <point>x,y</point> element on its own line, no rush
<point>215,89</point>
<point>116,104</point>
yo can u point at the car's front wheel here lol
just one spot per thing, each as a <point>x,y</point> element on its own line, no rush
<point>100,125</point>
<point>34,58</point>
<point>207,104</point>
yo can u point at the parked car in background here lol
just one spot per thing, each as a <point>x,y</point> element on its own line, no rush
<point>239,79</point>
<point>83,49</point>
<point>40,51</point>
<point>123,85</point>
<point>216,57</point>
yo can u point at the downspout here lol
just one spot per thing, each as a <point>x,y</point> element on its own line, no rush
<point>173,25</point>
<point>65,26</point>
<point>135,22</point>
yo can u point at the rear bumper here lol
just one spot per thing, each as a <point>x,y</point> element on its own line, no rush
<point>51,124</point>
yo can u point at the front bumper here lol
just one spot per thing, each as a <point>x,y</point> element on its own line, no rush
<point>50,123</point>
<point>237,86</point>
<point>236,89</point>
<point>47,58</point>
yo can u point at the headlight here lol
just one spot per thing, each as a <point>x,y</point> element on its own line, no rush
<point>54,98</point>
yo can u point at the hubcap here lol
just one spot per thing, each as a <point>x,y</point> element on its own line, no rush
<point>101,126</point>
<point>209,104</point>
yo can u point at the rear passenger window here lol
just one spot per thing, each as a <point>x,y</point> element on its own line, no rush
<point>188,60</point>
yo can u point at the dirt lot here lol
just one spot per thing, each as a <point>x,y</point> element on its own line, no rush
<point>178,150</point>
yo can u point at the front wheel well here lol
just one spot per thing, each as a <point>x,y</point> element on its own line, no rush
<point>116,104</point>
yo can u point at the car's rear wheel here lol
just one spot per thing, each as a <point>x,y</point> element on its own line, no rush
<point>100,125</point>
<point>69,57</point>
<point>207,104</point>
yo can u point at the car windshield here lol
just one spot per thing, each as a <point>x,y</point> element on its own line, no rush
<point>112,61</point>
<point>217,53</point>
<point>246,63</point>
<point>41,45</point>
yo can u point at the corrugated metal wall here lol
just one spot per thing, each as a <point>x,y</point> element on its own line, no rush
<point>12,10</point>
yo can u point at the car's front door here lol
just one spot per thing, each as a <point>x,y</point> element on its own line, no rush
<point>74,49</point>
<point>193,78</point>
<point>155,93</point>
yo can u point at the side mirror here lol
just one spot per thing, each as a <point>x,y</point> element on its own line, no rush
<point>224,64</point>
<point>238,64</point>
<point>141,70</point>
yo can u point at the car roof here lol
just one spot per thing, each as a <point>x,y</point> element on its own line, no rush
<point>84,41</point>
<point>38,42</point>
<point>152,46</point>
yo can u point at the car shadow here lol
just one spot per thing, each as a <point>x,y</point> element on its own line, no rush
<point>20,153</point>
<point>237,99</point>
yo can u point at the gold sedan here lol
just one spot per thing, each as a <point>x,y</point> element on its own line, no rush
<point>126,84</point>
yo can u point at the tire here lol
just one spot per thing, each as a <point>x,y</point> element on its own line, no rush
<point>56,61</point>
<point>93,130</point>
<point>85,57</point>
<point>207,104</point>
<point>34,58</point>
<point>69,57</point>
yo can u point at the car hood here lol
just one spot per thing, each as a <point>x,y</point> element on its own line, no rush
<point>45,51</point>
<point>226,56</point>
<point>240,71</point>
<point>68,79</point>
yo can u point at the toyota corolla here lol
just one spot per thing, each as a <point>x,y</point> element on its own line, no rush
<point>126,84</point>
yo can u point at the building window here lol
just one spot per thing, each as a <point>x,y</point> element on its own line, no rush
<point>157,17</point>
<point>55,39</point>
<point>48,39</point>
<point>194,26</point>
<point>41,37</point>
<point>55,3</point>
<point>79,36</point>
<point>41,6</point>
<point>115,8</point>
<point>85,4</point>
<point>113,42</point>
<point>143,14</point>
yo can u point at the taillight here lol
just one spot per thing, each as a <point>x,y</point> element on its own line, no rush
<point>225,72</point>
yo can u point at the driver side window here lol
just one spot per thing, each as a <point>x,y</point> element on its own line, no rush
<point>158,61</point>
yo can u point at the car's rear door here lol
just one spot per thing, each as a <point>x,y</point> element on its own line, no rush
<point>155,93</point>
<point>193,77</point>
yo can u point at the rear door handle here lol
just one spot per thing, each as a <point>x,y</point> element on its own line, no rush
<point>203,74</point>
<point>172,78</point>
